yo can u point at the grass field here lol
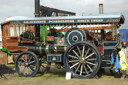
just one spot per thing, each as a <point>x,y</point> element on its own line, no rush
<point>57,77</point>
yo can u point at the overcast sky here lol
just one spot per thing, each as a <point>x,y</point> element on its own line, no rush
<point>9,8</point>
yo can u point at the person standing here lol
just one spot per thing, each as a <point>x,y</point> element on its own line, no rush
<point>123,62</point>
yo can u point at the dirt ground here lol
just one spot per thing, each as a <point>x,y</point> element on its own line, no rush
<point>57,77</point>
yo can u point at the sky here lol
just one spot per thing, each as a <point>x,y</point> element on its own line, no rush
<point>10,8</point>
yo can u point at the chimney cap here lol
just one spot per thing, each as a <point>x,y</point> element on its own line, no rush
<point>100,3</point>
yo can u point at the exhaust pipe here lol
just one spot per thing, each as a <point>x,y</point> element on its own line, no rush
<point>101,8</point>
<point>101,12</point>
<point>37,14</point>
<point>37,8</point>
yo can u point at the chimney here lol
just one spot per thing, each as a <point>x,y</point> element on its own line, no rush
<point>101,8</point>
<point>37,8</point>
<point>101,12</point>
<point>37,14</point>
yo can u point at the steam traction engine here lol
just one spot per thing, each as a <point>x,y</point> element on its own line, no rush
<point>75,42</point>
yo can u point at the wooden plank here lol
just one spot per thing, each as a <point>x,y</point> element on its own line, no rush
<point>4,36</point>
<point>11,44</point>
<point>16,48</point>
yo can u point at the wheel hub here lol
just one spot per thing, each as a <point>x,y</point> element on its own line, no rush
<point>26,64</point>
<point>82,60</point>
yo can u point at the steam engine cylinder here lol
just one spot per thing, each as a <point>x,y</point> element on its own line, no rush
<point>47,49</point>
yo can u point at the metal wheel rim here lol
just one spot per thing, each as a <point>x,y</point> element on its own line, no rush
<point>82,69</point>
<point>26,66</point>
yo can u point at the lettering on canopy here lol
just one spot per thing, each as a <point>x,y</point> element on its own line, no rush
<point>63,21</point>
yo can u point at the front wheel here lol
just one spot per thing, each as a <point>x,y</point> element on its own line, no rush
<point>83,60</point>
<point>27,64</point>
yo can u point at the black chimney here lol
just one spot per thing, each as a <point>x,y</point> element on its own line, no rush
<point>37,8</point>
<point>37,14</point>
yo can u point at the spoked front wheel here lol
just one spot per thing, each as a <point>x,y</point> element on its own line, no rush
<point>83,60</point>
<point>27,64</point>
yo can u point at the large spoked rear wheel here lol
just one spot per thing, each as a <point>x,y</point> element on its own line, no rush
<point>27,64</point>
<point>83,60</point>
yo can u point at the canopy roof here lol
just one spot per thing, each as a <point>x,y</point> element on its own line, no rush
<point>96,19</point>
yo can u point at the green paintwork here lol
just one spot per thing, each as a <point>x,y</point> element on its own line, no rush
<point>46,32</point>
<point>42,32</point>
<point>6,51</point>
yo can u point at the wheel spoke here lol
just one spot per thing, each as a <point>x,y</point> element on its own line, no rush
<point>83,51</point>
<point>77,67</point>
<point>75,53</point>
<point>30,59</point>
<point>93,59</point>
<point>79,50</point>
<point>89,55</point>
<point>81,69</point>
<point>31,62</point>
<point>87,52</point>
<point>85,69</point>
<point>32,68</point>
<point>90,68</point>
<point>73,57</point>
<point>23,59</point>
<point>73,61</point>
<point>23,69</point>
<point>91,63</point>
<point>20,63</point>
<point>26,57</point>
<point>74,65</point>
<point>27,70</point>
